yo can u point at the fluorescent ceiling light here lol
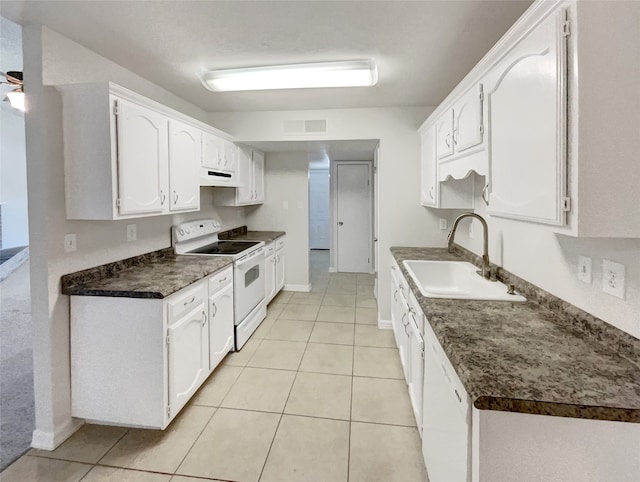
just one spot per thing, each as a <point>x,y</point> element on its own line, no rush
<point>16,98</point>
<point>352,73</point>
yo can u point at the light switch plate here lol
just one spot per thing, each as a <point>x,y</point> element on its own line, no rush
<point>613,278</point>
<point>584,269</point>
<point>69,243</point>
<point>132,232</point>
<point>443,223</point>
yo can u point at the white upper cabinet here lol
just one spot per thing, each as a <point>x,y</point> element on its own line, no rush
<point>468,128</point>
<point>212,150</point>
<point>444,134</point>
<point>250,175</point>
<point>230,156</point>
<point>127,156</point>
<point>526,95</point>
<point>184,162</point>
<point>142,158</point>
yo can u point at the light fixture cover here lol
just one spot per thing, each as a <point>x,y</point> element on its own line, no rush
<point>350,73</point>
<point>16,98</point>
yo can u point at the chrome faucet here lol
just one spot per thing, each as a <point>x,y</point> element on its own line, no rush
<point>486,270</point>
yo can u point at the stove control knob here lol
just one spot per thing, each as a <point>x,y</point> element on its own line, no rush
<point>181,231</point>
<point>186,230</point>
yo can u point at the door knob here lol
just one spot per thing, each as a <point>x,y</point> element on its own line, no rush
<point>340,223</point>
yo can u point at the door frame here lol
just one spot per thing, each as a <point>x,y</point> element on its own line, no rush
<point>327,171</point>
<point>333,194</point>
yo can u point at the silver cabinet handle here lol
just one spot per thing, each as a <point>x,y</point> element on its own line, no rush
<point>485,192</point>
<point>163,196</point>
<point>447,141</point>
<point>431,192</point>
<point>193,298</point>
<point>455,136</point>
<point>215,309</point>
<point>175,197</point>
<point>204,318</point>
<point>395,295</point>
<point>222,280</point>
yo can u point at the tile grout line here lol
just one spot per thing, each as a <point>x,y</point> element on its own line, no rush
<point>264,465</point>
<point>197,438</point>
<point>353,362</point>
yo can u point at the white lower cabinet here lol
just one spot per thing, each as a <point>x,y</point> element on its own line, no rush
<point>221,333</point>
<point>274,268</point>
<point>136,362</point>
<point>187,347</point>
<point>280,264</point>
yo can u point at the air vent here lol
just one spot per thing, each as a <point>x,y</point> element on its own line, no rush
<point>305,126</point>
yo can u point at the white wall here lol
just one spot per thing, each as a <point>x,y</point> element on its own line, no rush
<point>63,61</point>
<point>13,161</point>
<point>402,221</point>
<point>286,181</point>
<point>550,261</point>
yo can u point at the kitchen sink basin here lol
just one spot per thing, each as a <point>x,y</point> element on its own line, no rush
<point>456,279</point>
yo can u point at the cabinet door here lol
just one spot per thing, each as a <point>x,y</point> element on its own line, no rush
<point>230,156</point>
<point>258,176</point>
<point>444,134</point>
<point>468,130</point>
<point>270,277</point>
<point>211,151</point>
<point>220,325</point>
<point>526,97</point>
<point>184,164</point>
<point>142,159</point>
<point>428,183</point>
<point>188,355</point>
<point>244,193</point>
<point>416,361</point>
<point>280,266</point>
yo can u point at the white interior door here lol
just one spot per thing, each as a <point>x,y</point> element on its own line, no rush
<point>319,231</point>
<point>353,200</point>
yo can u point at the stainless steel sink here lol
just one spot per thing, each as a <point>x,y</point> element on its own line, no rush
<point>456,279</point>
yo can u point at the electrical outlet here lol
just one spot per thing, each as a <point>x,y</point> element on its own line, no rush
<point>69,243</point>
<point>443,223</point>
<point>132,232</point>
<point>584,269</point>
<point>613,278</point>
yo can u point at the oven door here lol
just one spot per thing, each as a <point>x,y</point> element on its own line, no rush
<point>248,283</point>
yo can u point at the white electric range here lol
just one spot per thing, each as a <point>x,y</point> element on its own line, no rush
<point>200,238</point>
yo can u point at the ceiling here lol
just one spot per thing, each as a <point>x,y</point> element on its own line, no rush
<point>422,48</point>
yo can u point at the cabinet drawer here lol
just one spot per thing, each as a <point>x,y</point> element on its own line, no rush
<point>270,248</point>
<point>444,366</point>
<point>220,280</point>
<point>280,243</point>
<point>185,301</point>
<point>416,313</point>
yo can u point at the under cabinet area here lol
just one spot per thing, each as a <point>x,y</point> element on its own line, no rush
<point>137,362</point>
<point>250,176</point>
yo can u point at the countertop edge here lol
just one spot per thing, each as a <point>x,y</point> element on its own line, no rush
<point>487,402</point>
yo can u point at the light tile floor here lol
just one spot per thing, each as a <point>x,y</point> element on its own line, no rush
<point>317,394</point>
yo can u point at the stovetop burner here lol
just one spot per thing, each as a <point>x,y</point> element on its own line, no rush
<point>225,247</point>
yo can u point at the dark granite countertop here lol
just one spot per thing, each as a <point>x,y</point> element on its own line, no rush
<point>524,357</point>
<point>152,275</point>
<point>244,234</point>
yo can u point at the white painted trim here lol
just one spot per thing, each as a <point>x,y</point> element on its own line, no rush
<point>303,288</point>
<point>333,269</point>
<point>51,440</point>
<point>384,324</point>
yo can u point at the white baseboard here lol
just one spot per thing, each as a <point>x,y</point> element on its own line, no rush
<point>304,288</point>
<point>384,324</point>
<point>51,440</point>
<point>333,269</point>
